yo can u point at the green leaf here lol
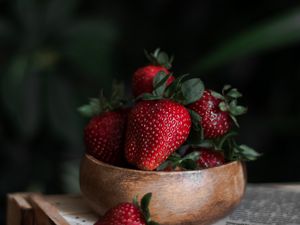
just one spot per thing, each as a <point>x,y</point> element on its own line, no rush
<point>148,96</point>
<point>234,120</point>
<point>223,106</point>
<point>160,83</point>
<point>156,52</point>
<point>217,95</point>
<point>237,110</point>
<point>196,119</point>
<point>174,87</point>
<point>192,156</point>
<point>91,109</point>
<point>163,166</point>
<point>233,104</point>
<point>163,58</point>
<point>146,200</point>
<point>117,98</point>
<point>135,201</point>
<point>234,93</point>
<point>277,32</point>
<point>248,152</point>
<point>174,157</point>
<point>192,90</point>
<point>226,88</point>
<point>230,134</point>
<point>145,206</point>
<point>159,58</point>
<point>205,144</point>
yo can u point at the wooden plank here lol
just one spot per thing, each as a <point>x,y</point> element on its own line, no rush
<point>73,209</point>
<point>68,204</point>
<point>44,212</point>
<point>19,211</point>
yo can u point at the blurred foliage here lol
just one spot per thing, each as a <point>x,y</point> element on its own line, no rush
<point>275,33</point>
<point>56,54</point>
<point>51,61</point>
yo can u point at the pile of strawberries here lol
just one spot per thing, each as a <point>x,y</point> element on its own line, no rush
<point>173,122</point>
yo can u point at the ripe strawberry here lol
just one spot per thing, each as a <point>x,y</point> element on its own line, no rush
<point>123,214</point>
<point>215,122</point>
<point>128,214</point>
<point>217,111</point>
<point>142,80</point>
<point>156,128</point>
<point>209,158</point>
<point>104,136</point>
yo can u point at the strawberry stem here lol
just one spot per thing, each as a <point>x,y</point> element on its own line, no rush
<point>144,207</point>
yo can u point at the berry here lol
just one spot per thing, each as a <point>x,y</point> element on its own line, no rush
<point>129,213</point>
<point>123,214</point>
<point>104,136</point>
<point>156,128</point>
<point>210,158</point>
<point>142,80</point>
<point>215,122</point>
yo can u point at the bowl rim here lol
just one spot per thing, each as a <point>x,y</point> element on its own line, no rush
<point>109,166</point>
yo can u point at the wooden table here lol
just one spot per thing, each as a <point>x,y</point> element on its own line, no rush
<point>38,209</point>
<point>32,208</point>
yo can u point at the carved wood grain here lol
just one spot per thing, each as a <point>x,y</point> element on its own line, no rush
<point>179,198</point>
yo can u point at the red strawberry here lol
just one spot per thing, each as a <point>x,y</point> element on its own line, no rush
<point>142,80</point>
<point>105,133</point>
<point>156,128</point>
<point>215,122</point>
<point>128,214</point>
<point>104,136</point>
<point>123,214</point>
<point>210,158</point>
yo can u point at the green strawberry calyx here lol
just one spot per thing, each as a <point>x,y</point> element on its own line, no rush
<point>143,206</point>
<point>229,102</point>
<point>187,162</point>
<point>234,151</point>
<point>159,58</point>
<point>102,104</point>
<point>227,144</point>
<point>182,90</point>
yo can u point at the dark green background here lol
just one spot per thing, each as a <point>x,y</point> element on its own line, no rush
<point>55,54</point>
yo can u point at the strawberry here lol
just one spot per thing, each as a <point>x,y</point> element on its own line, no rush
<point>178,162</point>
<point>123,214</point>
<point>195,158</point>
<point>129,214</point>
<point>142,80</point>
<point>156,128</point>
<point>104,136</point>
<point>217,111</point>
<point>209,158</point>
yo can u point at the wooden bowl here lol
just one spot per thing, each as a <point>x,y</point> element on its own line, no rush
<point>179,197</point>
